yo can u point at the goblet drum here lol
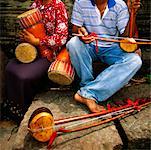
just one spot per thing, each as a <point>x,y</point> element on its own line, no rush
<point>32,21</point>
<point>61,70</point>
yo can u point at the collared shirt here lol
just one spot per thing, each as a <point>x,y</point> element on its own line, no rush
<point>113,21</point>
<point>55,20</point>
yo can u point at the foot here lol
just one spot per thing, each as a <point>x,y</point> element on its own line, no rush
<point>92,105</point>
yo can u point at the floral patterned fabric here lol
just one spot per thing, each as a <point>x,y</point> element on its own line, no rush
<point>55,20</point>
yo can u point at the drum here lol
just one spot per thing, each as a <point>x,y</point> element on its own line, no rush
<point>41,124</point>
<point>25,52</point>
<point>32,22</point>
<point>61,70</point>
<point>29,18</point>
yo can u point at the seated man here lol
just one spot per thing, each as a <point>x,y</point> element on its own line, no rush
<point>104,18</point>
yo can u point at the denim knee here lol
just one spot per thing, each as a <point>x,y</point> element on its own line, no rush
<point>136,60</point>
<point>73,43</point>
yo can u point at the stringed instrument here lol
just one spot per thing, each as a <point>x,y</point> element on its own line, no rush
<point>133,32</point>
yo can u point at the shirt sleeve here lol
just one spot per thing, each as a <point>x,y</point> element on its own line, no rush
<point>35,4</point>
<point>60,35</point>
<point>122,17</point>
<point>77,18</point>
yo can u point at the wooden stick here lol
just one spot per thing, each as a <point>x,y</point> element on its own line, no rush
<point>131,23</point>
<point>126,111</point>
<point>100,122</point>
<point>116,39</point>
<point>65,120</point>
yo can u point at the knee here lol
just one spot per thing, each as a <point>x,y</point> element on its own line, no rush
<point>73,43</point>
<point>136,60</point>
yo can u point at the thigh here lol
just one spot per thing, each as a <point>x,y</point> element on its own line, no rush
<point>79,49</point>
<point>113,55</point>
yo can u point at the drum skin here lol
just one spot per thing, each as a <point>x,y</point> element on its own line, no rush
<point>61,72</point>
<point>32,22</point>
<point>25,52</point>
<point>128,47</point>
<point>41,124</point>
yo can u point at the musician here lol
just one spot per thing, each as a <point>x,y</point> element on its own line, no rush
<point>104,18</point>
<point>23,80</point>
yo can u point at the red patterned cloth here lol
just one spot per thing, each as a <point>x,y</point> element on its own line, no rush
<point>55,20</point>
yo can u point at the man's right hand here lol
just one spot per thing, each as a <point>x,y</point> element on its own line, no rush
<point>85,38</point>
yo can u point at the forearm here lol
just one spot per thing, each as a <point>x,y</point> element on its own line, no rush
<point>75,29</point>
<point>129,27</point>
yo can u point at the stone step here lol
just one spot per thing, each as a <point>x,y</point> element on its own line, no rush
<point>62,105</point>
<point>137,127</point>
<point>104,137</point>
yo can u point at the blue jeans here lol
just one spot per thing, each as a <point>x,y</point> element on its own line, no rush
<point>122,67</point>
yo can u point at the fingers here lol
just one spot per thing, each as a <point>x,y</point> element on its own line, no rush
<point>135,4</point>
<point>25,32</point>
<point>88,39</point>
<point>82,31</point>
<point>138,51</point>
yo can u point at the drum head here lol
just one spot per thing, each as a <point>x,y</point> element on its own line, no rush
<point>60,78</point>
<point>25,52</point>
<point>27,13</point>
<point>128,47</point>
<point>61,72</point>
<point>41,124</point>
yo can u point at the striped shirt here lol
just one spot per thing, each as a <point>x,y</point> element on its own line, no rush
<point>113,21</point>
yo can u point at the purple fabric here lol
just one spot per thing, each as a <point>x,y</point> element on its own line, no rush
<point>23,80</point>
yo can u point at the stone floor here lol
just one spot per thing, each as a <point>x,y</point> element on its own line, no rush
<point>6,138</point>
<point>135,130</point>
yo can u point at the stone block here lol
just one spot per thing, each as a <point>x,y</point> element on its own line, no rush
<point>61,104</point>
<point>138,129</point>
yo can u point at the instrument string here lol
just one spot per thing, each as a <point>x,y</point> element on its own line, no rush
<point>118,39</point>
<point>73,124</point>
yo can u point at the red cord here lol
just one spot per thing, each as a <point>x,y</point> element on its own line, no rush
<point>95,35</point>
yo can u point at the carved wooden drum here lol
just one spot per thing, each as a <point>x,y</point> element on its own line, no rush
<point>32,22</point>
<point>61,70</point>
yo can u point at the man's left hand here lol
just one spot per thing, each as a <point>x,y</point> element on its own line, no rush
<point>133,4</point>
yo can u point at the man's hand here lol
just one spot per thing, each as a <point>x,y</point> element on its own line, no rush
<point>85,38</point>
<point>138,51</point>
<point>133,4</point>
<point>28,37</point>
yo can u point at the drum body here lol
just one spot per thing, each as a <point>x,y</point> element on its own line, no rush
<point>32,22</point>
<point>41,124</point>
<point>29,18</point>
<point>61,70</point>
<point>25,52</point>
